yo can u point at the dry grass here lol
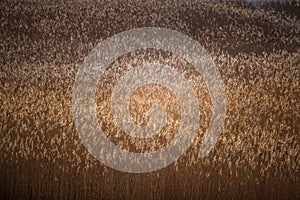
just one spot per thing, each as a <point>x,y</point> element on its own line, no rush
<point>256,50</point>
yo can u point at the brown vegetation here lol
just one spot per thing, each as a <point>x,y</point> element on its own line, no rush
<point>256,50</point>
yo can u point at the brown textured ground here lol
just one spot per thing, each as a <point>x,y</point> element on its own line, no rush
<point>256,50</point>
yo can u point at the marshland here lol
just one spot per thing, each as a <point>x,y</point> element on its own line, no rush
<point>255,47</point>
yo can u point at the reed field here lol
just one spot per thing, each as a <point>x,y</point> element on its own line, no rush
<point>256,48</point>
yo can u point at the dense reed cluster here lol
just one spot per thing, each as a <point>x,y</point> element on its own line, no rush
<point>255,49</point>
